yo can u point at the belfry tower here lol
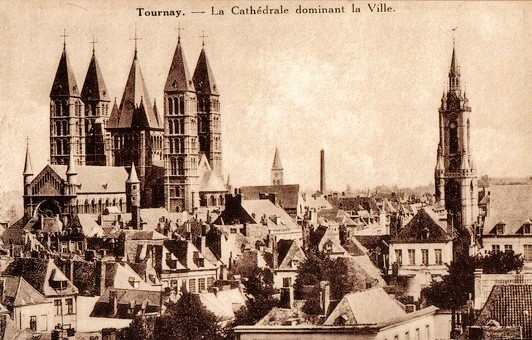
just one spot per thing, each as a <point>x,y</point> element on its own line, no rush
<point>455,173</point>
<point>209,127</point>
<point>67,130</point>
<point>181,154</point>
<point>96,100</point>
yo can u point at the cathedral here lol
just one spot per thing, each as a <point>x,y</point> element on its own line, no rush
<point>455,173</point>
<point>96,144</point>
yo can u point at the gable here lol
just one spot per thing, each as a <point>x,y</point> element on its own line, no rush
<point>47,183</point>
<point>423,228</point>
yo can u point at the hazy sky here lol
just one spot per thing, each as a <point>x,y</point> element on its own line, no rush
<point>365,87</point>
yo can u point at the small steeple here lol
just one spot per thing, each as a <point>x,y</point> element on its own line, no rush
<point>94,86</point>
<point>133,178</point>
<point>28,168</point>
<point>64,82</point>
<point>179,79</point>
<point>454,73</point>
<point>203,77</point>
<point>277,165</point>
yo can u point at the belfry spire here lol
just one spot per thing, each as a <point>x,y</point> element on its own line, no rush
<point>28,167</point>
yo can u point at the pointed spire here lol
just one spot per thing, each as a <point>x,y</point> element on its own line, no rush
<point>228,183</point>
<point>28,167</point>
<point>277,161</point>
<point>94,86</point>
<point>133,178</point>
<point>455,69</point>
<point>135,98</point>
<point>64,82</point>
<point>203,77</point>
<point>179,79</point>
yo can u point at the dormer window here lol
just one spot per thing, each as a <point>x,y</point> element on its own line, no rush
<point>295,263</point>
<point>499,229</point>
<point>527,229</point>
<point>201,262</point>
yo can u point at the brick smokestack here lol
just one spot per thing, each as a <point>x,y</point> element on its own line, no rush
<point>322,172</point>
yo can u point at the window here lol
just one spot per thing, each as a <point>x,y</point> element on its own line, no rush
<point>425,257</point>
<point>33,323</point>
<point>527,228</point>
<point>192,285</point>
<point>210,282</point>
<point>527,252</point>
<point>173,283</point>
<point>399,256</point>
<point>499,229</point>
<point>287,281</point>
<point>201,284</point>
<point>57,306</point>
<point>70,306</point>
<point>411,256</point>
<point>508,248</point>
<point>438,256</point>
<point>495,248</point>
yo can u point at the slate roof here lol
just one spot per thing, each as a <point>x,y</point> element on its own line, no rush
<point>354,247</point>
<point>203,78</point>
<point>372,306</point>
<point>135,109</point>
<point>64,82</point>
<point>94,86</point>
<point>289,250</point>
<point>179,79</point>
<point>40,274</point>
<point>363,271</point>
<point>287,195</point>
<point>510,305</point>
<point>125,297</point>
<point>511,204</point>
<point>184,252</point>
<point>16,292</point>
<point>423,223</point>
<point>266,208</point>
<point>96,179</point>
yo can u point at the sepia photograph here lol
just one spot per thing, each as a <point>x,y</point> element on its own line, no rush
<point>255,170</point>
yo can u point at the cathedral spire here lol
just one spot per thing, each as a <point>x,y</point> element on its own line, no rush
<point>203,77</point>
<point>179,79</point>
<point>94,85</point>
<point>64,82</point>
<point>28,167</point>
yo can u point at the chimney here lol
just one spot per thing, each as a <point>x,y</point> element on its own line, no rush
<point>203,245</point>
<point>287,297</point>
<point>71,270</point>
<point>100,276</point>
<point>478,288</point>
<point>325,296</point>
<point>322,172</point>
<point>275,255</point>
<point>114,300</point>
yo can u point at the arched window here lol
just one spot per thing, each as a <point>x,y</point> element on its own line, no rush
<point>170,106</point>
<point>93,207</point>
<point>66,147</point>
<point>86,207</point>
<point>453,138</point>
<point>65,128</point>
<point>213,201</point>
<point>173,166</point>
<point>180,166</point>
<point>221,198</point>
<point>176,106</point>
<point>171,126</point>
<point>182,106</point>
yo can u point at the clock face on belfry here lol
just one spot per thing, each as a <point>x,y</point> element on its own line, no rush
<point>453,125</point>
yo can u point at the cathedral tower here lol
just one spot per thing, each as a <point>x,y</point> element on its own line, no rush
<point>96,100</point>
<point>134,127</point>
<point>66,116</point>
<point>209,126</point>
<point>277,169</point>
<point>455,174</point>
<point>181,154</point>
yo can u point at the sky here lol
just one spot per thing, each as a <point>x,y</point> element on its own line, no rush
<point>365,86</point>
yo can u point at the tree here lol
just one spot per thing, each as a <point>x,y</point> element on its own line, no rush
<point>454,290</point>
<point>260,288</point>
<point>187,319</point>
